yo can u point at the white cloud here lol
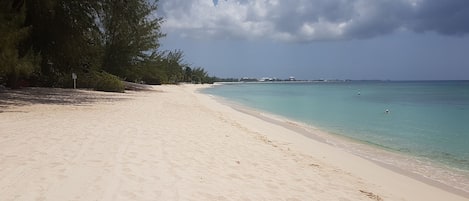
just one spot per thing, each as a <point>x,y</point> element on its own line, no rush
<point>309,20</point>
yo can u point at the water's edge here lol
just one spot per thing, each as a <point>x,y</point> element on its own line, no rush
<point>430,173</point>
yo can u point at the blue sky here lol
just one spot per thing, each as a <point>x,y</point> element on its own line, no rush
<point>322,39</point>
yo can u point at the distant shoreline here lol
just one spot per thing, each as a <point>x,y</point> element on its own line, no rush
<point>335,81</point>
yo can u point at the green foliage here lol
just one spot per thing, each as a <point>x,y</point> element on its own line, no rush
<point>15,65</point>
<point>130,32</point>
<point>100,81</point>
<point>200,76</point>
<point>152,73</point>
<point>66,34</point>
<point>169,67</point>
<point>44,41</point>
<point>217,79</point>
<point>109,83</point>
<point>166,68</point>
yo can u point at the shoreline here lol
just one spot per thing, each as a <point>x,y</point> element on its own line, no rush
<point>175,143</point>
<point>304,130</point>
<point>356,147</point>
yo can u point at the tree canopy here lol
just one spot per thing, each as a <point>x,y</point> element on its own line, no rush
<point>43,42</point>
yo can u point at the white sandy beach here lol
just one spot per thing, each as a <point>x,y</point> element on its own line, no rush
<point>174,143</point>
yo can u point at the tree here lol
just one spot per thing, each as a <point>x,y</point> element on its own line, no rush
<point>130,33</point>
<point>174,69</point>
<point>200,76</point>
<point>187,74</point>
<point>50,39</point>
<point>15,63</point>
<point>66,35</point>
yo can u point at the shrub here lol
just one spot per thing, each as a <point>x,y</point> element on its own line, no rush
<point>109,83</point>
<point>100,81</point>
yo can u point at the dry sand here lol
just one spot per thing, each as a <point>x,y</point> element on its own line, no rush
<point>174,144</point>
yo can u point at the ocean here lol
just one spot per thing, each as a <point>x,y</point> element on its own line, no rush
<point>427,121</point>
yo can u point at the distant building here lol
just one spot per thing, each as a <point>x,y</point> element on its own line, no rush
<point>268,79</point>
<point>291,78</point>
<point>248,79</point>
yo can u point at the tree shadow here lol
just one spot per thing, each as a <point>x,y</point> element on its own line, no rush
<point>54,96</point>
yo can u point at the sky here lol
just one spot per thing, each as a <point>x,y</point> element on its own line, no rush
<point>321,39</point>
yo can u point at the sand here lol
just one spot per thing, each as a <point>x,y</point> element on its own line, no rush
<point>174,143</point>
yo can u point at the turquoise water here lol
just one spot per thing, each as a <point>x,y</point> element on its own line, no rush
<point>426,119</point>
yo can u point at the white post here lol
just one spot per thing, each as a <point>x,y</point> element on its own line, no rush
<point>74,77</point>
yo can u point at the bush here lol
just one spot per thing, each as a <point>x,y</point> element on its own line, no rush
<point>109,83</point>
<point>153,79</point>
<point>100,81</point>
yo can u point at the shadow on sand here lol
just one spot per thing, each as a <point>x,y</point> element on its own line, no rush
<point>54,96</point>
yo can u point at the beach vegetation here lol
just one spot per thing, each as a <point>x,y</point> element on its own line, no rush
<point>109,83</point>
<point>100,81</point>
<point>43,42</point>
<point>16,61</point>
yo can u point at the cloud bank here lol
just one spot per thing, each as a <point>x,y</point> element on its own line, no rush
<point>312,20</point>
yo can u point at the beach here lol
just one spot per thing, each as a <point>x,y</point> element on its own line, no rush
<point>174,143</point>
